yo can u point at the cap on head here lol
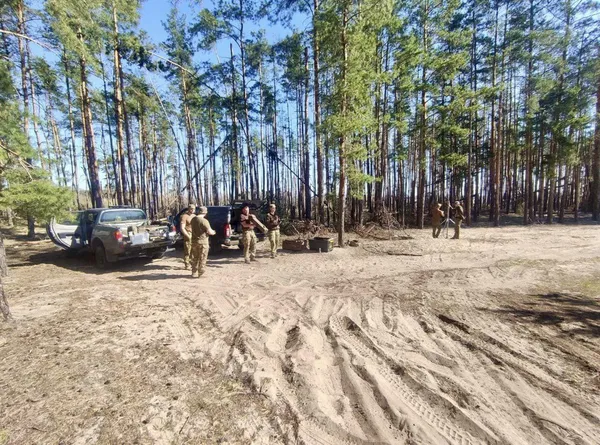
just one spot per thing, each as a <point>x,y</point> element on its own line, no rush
<point>202,210</point>
<point>456,203</point>
<point>272,205</point>
<point>191,207</point>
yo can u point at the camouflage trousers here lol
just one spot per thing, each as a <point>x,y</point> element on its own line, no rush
<point>437,228</point>
<point>187,251</point>
<point>249,238</point>
<point>274,238</point>
<point>199,257</point>
<point>457,229</point>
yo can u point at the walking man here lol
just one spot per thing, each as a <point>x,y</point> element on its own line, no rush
<point>459,215</point>
<point>436,219</point>
<point>201,230</point>
<point>273,221</point>
<point>248,236</point>
<point>185,227</point>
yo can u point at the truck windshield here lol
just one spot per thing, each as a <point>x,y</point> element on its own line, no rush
<point>122,215</point>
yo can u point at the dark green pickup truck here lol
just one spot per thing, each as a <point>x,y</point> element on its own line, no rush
<point>112,234</point>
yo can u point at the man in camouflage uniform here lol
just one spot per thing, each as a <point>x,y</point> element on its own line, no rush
<point>185,227</point>
<point>459,215</point>
<point>272,222</point>
<point>201,230</point>
<point>248,235</point>
<point>436,219</point>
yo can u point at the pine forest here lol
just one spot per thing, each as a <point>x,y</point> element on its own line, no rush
<point>340,111</point>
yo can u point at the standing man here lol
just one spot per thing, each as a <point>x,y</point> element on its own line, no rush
<point>185,227</point>
<point>272,222</point>
<point>459,215</point>
<point>248,236</point>
<point>436,219</point>
<point>201,230</point>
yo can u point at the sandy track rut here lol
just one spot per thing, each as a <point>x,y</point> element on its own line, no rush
<point>358,353</point>
<point>361,393</point>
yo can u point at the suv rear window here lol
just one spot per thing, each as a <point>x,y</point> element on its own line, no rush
<point>122,215</point>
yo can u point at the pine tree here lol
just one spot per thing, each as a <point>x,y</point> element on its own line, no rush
<point>76,28</point>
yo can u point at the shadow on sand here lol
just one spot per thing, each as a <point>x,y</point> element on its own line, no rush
<point>29,254</point>
<point>580,313</point>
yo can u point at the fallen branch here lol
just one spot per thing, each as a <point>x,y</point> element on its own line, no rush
<point>403,254</point>
<point>37,429</point>
<point>184,423</point>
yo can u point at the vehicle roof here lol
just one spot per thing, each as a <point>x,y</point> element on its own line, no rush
<point>101,209</point>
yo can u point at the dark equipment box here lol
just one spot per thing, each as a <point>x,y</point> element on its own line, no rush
<point>321,243</point>
<point>297,244</point>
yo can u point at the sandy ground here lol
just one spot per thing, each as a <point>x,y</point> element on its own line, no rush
<point>492,339</point>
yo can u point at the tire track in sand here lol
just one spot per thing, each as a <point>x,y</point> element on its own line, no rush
<point>532,373</point>
<point>467,433</point>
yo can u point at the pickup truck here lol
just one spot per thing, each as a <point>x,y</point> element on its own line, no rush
<point>219,218</point>
<point>112,234</point>
<point>225,220</point>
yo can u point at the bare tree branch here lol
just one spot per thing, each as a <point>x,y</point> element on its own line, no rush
<point>23,36</point>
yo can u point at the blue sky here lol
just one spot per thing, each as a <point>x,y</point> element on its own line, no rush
<point>155,12</point>
<point>152,15</point>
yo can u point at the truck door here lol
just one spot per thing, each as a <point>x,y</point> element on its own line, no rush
<point>66,234</point>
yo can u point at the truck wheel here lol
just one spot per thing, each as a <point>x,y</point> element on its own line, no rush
<point>101,262</point>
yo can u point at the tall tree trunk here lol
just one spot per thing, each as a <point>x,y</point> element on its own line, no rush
<point>90,144</point>
<point>423,124</point>
<point>24,92</point>
<point>62,176</point>
<point>541,188</point>
<point>236,176</point>
<point>254,186</point>
<point>114,156</point>
<point>74,166</point>
<point>344,109</point>
<point>129,141</point>
<point>557,115</point>
<point>596,161</point>
<point>119,105</point>
<point>307,195</point>
<point>191,146</point>
<point>317,113</point>
<point>564,195</point>
<point>35,112</point>
<point>494,144</point>
<point>528,208</point>
<point>211,136</point>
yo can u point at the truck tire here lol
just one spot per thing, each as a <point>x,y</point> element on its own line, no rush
<point>101,262</point>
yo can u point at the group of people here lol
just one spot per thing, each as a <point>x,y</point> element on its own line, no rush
<point>196,229</point>
<point>438,215</point>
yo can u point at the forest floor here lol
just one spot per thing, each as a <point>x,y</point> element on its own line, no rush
<point>493,338</point>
